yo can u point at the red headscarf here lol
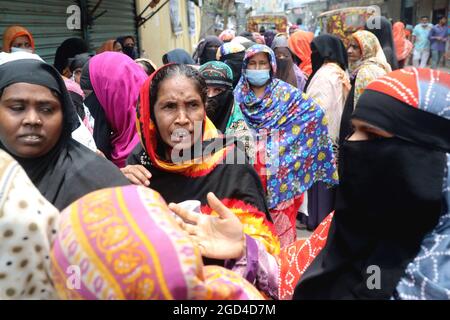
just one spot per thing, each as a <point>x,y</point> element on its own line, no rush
<point>300,44</point>
<point>13,33</point>
<point>148,135</point>
<point>403,46</point>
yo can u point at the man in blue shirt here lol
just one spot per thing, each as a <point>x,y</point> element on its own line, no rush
<point>438,38</point>
<point>421,43</point>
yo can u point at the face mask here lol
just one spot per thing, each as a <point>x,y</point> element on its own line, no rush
<point>388,182</point>
<point>131,52</point>
<point>258,77</point>
<point>15,49</point>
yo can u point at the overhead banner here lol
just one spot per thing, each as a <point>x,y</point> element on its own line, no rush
<point>175,18</point>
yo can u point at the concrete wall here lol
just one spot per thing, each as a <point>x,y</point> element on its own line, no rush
<point>156,34</point>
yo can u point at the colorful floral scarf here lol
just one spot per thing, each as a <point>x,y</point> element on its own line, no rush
<point>127,245</point>
<point>298,146</point>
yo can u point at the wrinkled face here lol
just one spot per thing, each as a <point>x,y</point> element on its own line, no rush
<point>117,47</point>
<point>31,119</point>
<point>178,109</point>
<point>354,51</point>
<point>215,91</point>
<point>22,42</point>
<point>259,61</point>
<point>364,131</point>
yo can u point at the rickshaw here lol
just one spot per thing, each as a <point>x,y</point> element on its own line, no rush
<point>276,22</point>
<point>344,22</point>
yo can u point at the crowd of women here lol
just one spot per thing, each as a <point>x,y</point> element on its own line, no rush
<point>186,181</point>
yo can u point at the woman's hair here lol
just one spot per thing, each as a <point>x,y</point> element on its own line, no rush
<point>148,67</point>
<point>178,70</point>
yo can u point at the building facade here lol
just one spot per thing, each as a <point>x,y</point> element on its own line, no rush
<point>172,24</point>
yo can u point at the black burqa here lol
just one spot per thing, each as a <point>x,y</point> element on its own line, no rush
<point>235,62</point>
<point>70,170</point>
<point>329,48</point>
<point>389,198</point>
<point>384,33</point>
<point>69,49</point>
<point>207,50</point>
<point>130,51</point>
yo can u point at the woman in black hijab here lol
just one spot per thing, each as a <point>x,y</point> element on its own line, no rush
<point>128,44</point>
<point>37,119</point>
<point>392,192</point>
<point>207,49</point>
<point>327,48</point>
<point>329,84</point>
<point>68,49</point>
<point>384,33</point>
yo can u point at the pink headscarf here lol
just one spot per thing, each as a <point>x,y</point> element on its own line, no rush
<point>72,86</point>
<point>116,80</point>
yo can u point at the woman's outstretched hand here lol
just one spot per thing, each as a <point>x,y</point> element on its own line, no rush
<point>137,174</point>
<point>219,237</point>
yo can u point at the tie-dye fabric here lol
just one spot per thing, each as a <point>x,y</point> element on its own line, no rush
<point>124,243</point>
<point>428,275</point>
<point>298,148</point>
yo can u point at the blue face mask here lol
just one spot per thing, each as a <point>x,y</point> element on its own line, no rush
<point>258,77</point>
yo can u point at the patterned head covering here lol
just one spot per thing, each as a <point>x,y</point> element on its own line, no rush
<point>229,48</point>
<point>372,65</point>
<point>302,153</point>
<point>217,74</point>
<point>27,224</point>
<point>127,245</point>
<point>258,48</point>
<point>151,141</point>
<point>227,35</point>
<point>414,105</point>
<point>371,50</point>
<point>259,39</point>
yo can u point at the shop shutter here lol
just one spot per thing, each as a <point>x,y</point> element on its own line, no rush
<point>45,19</point>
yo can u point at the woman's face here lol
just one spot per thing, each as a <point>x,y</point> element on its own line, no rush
<point>354,51</point>
<point>178,110</point>
<point>215,91</point>
<point>282,53</point>
<point>365,131</point>
<point>31,119</point>
<point>22,42</point>
<point>259,61</point>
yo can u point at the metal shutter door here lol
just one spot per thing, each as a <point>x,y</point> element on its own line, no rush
<point>118,20</point>
<point>45,19</point>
